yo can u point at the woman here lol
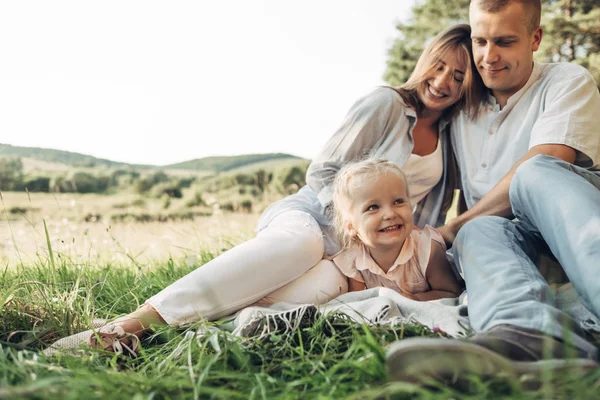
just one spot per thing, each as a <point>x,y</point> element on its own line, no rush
<point>285,260</point>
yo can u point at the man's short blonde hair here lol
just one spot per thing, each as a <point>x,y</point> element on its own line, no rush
<point>533,10</point>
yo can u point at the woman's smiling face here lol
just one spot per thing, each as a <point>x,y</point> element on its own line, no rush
<point>442,87</point>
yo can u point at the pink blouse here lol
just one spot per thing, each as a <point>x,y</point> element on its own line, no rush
<point>408,274</point>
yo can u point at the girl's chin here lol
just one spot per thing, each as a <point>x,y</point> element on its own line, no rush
<point>393,240</point>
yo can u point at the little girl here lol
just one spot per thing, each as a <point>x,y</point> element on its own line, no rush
<point>381,246</point>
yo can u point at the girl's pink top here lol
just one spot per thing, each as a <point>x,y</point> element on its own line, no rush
<point>408,274</point>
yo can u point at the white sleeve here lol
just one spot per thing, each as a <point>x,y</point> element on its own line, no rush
<point>570,117</point>
<point>346,263</point>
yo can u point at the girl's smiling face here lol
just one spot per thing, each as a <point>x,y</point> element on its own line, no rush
<point>380,214</point>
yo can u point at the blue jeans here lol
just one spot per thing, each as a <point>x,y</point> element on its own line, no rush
<point>556,204</point>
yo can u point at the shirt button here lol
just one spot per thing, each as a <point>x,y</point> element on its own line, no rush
<point>491,131</point>
<point>483,165</point>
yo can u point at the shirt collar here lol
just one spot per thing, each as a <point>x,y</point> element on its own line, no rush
<point>536,72</point>
<point>360,255</point>
<point>443,123</point>
<point>406,252</point>
<point>411,115</point>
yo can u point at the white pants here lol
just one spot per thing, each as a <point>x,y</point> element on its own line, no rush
<point>284,262</point>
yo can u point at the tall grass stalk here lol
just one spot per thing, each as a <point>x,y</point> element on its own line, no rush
<point>50,252</point>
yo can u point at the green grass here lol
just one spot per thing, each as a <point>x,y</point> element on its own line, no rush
<point>330,358</point>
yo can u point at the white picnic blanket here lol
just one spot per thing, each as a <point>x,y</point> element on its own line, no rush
<point>377,306</point>
<point>383,306</point>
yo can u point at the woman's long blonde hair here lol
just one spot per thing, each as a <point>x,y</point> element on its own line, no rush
<point>455,38</point>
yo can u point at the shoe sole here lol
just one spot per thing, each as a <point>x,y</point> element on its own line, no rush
<point>423,360</point>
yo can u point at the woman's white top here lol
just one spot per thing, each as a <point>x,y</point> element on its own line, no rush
<point>423,173</point>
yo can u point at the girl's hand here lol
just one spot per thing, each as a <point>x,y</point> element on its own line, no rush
<point>355,286</point>
<point>409,296</point>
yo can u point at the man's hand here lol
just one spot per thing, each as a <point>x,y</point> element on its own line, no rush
<point>448,232</point>
<point>496,201</point>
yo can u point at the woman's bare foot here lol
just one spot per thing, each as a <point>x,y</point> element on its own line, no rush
<point>125,332</point>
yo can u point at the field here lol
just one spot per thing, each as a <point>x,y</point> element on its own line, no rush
<point>59,272</point>
<point>101,238</point>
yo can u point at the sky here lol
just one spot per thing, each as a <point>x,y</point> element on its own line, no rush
<point>160,82</point>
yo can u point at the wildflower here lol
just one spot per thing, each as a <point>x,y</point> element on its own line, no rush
<point>437,329</point>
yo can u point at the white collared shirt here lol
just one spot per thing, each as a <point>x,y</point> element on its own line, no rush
<point>559,104</point>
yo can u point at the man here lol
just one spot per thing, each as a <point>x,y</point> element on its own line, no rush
<point>529,155</point>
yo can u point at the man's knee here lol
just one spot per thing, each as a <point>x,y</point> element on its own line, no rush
<point>469,240</point>
<point>475,228</point>
<point>533,174</point>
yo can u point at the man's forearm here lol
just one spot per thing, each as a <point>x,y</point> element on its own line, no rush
<point>496,201</point>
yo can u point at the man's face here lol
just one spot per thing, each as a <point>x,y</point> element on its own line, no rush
<point>503,48</point>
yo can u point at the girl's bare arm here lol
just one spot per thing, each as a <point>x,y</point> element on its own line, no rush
<point>355,286</point>
<point>440,276</point>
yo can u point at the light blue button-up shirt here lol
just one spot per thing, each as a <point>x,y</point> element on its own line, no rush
<point>559,104</point>
<point>378,125</point>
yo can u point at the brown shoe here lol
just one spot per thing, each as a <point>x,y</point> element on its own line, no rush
<point>503,351</point>
<point>522,344</point>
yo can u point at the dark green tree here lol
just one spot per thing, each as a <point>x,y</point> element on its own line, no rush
<point>84,182</point>
<point>39,184</point>
<point>11,174</point>
<point>245,179</point>
<point>123,178</point>
<point>295,176</point>
<point>262,179</point>
<point>572,33</point>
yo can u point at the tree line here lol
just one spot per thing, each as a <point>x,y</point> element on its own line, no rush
<point>156,184</point>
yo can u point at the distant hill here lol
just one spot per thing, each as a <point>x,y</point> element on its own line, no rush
<point>223,164</point>
<point>63,157</point>
<point>57,160</point>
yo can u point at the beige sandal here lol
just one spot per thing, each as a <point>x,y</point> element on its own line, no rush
<point>110,339</point>
<point>70,344</point>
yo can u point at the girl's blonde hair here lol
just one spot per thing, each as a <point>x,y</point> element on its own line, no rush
<point>345,184</point>
<point>456,38</point>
